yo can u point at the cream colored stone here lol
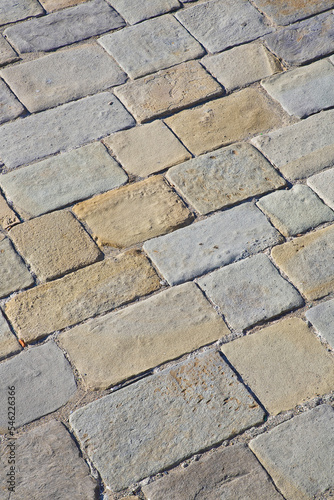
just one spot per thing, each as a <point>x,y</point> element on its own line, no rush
<point>8,343</point>
<point>52,5</point>
<point>7,216</point>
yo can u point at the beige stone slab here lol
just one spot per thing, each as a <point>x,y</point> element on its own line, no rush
<point>283,364</point>
<point>7,216</point>
<point>7,53</point>
<point>52,5</point>
<point>8,342</point>
<point>134,213</point>
<point>14,274</point>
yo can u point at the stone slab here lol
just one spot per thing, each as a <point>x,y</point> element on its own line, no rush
<point>43,382</point>
<point>10,107</point>
<point>283,364</point>
<point>65,127</point>
<point>323,185</point>
<point>8,342</point>
<point>87,292</point>
<point>224,177</point>
<point>12,10</point>
<point>297,454</point>
<point>138,11</point>
<point>14,274</point>
<point>146,48</point>
<point>322,318</point>
<point>169,90</point>
<point>7,54</point>
<point>289,11</point>
<point>52,5</point>
<point>7,216</point>
<point>183,409</point>
<point>216,241</point>
<point>120,345</point>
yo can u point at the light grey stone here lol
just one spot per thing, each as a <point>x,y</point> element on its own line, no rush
<point>8,342</point>
<point>182,410</point>
<point>13,10</point>
<point>137,10</point>
<point>7,54</point>
<point>323,185</point>
<point>10,107</point>
<point>322,318</point>
<point>289,11</point>
<point>14,274</point>
<point>217,241</point>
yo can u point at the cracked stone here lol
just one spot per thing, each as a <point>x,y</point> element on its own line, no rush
<point>14,274</point>
<point>7,216</point>
<point>323,185</point>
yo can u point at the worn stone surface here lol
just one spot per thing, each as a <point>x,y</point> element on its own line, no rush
<point>67,126</point>
<point>8,342</point>
<point>322,318</point>
<point>147,47</point>
<point>219,240</point>
<point>283,364</point>
<point>224,177</point>
<point>119,345</point>
<point>169,90</point>
<point>134,213</point>
<point>7,54</point>
<point>148,149</point>
<point>297,454</point>
<point>225,120</point>
<point>12,10</point>
<point>52,5</point>
<point>87,292</point>
<point>289,11</point>
<point>323,185</point>
<point>10,107</point>
<point>189,407</point>
<point>7,216</point>
<point>14,274</point>
<point>138,10</point>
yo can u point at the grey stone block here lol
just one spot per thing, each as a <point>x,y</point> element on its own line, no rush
<point>7,54</point>
<point>289,11</point>
<point>8,342</point>
<point>10,107</point>
<point>12,10</point>
<point>323,185</point>
<point>322,318</point>
<point>14,274</point>
<point>137,10</point>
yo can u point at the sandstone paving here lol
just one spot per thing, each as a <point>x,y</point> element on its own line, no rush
<point>183,409</point>
<point>8,342</point>
<point>12,10</point>
<point>322,318</point>
<point>52,5</point>
<point>7,53</point>
<point>323,185</point>
<point>289,11</point>
<point>10,107</point>
<point>7,216</point>
<point>137,10</point>
<point>14,274</point>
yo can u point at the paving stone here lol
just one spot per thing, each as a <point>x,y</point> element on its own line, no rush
<point>54,244</point>
<point>64,27</point>
<point>297,454</point>
<point>63,76</point>
<point>61,180</point>
<point>119,345</point>
<point>148,149</point>
<point>220,24</point>
<point>296,210</point>
<point>134,213</point>
<point>283,364</point>
<point>52,5</point>
<point>140,11</point>
<point>322,318</point>
<point>289,11</point>
<point>183,409</point>
<point>43,382</point>
<point>225,120</point>
<point>224,177</point>
<point>87,292</point>
<point>10,107</point>
<point>12,10</point>
<point>14,274</point>
<point>308,262</point>
<point>169,90</point>
<point>323,185</point>
<point>7,54</point>
<point>147,47</point>
<point>7,216</point>
<point>217,241</point>
<point>67,126</point>
<point>295,89</point>
<point>8,343</point>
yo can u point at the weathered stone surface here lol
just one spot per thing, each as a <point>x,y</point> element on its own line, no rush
<point>54,244</point>
<point>63,76</point>
<point>134,213</point>
<point>147,47</point>
<point>93,290</point>
<point>295,89</point>
<point>138,10</point>
<point>322,318</point>
<point>52,5</point>
<point>64,27</point>
<point>14,274</point>
<point>119,345</point>
<point>250,291</point>
<point>225,120</point>
<point>7,54</point>
<point>297,454</point>
<point>283,364</point>
<point>219,240</point>
<point>7,216</point>
<point>67,126</point>
<point>10,107</point>
<point>12,10</point>
<point>323,185</point>
<point>309,262</point>
<point>167,91</point>
<point>296,210</point>
<point>62,179</point>
<point>8,343</point>
<point>224,177</point>
<point>183,409</point>
<point>43,382</point>
<point>147,149</point>
<point>289,11</point>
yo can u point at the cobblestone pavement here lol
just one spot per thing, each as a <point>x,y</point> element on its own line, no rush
<point>167,249</point>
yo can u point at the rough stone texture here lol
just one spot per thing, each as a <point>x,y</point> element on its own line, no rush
<point>323,185</point>
<point>296,210</point>
<point>219,240</point>
<point>67,126</point>
<point>230,473</point>
<point>220,24</point>
<point>322,318</point>
<point>43,382</point>
<point>225,120</point>
<point>138,10</point>
<point>7,216</point>
<point>295,89</point>
<point>8,343</point>
<point>289,11</point>
<point>183,409</point>
<point>14,274</point>
<point>10,107</point>
<point>119,345</point>
<point>64,27</point>
<point>134,213</point>
<point>7,54</point>
<point>87,292</point>
<point>52,5</point>
<point>147,47</point>
<point>224,177</point>
<point>169,90</point>
<point>297,454</point>
<point>148,149</point>
<point>309,262</point>
<point>61,180</point>
<point>12,10</point>
<point>63,76</point>
<point>250,291</point>
<point>283,364</point>
<point>54,244</point>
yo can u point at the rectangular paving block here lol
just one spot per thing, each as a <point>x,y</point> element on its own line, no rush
<point>12,10</point>
<point>183,409</point>
<point>216,241</point>
<point>7,216</point>
<point>323,185</point>
<point>52,5</point>
<point>289,11</point>
<point>322,318</point>
<point>8,342</point>
<point>14,274</point>
<point>137,10</point>
<point>10,107</point>
<point>7,53</point>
